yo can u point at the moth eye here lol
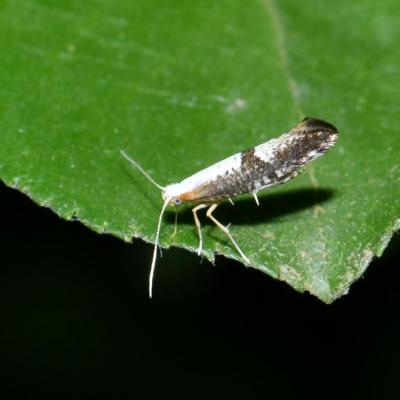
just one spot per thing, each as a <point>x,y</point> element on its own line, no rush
<point>177,202</point>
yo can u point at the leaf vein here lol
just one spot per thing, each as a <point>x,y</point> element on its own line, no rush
<point>283,53</point>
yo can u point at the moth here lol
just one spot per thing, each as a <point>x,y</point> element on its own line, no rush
<point>266,165</point>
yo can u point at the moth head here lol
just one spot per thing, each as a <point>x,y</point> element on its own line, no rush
<point>172,193</point>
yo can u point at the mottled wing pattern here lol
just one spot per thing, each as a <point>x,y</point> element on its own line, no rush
<point>273,162</point>
<point>285,155</point>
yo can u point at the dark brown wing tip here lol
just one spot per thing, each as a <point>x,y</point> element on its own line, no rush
<point>315,124</point>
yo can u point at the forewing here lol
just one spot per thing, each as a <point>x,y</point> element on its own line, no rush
<point>282,158</point>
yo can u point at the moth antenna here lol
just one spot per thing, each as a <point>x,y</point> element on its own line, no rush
<point>153,261</point>
<point>139,167</point>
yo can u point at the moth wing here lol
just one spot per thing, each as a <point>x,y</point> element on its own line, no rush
<point>283,158</point>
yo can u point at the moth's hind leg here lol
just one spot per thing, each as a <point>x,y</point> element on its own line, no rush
<point>225,230</point>
<point>197,222</point>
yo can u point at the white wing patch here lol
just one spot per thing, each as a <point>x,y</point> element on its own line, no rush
<point>210,173</point>
<point>266,151</point>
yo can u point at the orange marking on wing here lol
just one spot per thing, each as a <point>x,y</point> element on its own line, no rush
<point>189,196</point>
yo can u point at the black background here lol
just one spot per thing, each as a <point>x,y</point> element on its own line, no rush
<point>76,320</point>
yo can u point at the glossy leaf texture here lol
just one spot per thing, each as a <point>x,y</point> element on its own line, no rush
<point>181,85</point>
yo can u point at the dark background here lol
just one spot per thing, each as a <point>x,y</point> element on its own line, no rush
<point>76,320</point>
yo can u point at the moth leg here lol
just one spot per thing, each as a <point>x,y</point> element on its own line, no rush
<point>256,198</point>
<point>231,201</point>
<point>197,222</point>
<point>225,230</point>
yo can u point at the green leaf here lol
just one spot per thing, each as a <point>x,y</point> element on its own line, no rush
<point>180,85</point>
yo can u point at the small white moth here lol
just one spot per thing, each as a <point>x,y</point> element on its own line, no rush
<point>266,165</point>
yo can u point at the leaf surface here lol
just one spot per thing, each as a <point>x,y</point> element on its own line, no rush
<point>181,85</point>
